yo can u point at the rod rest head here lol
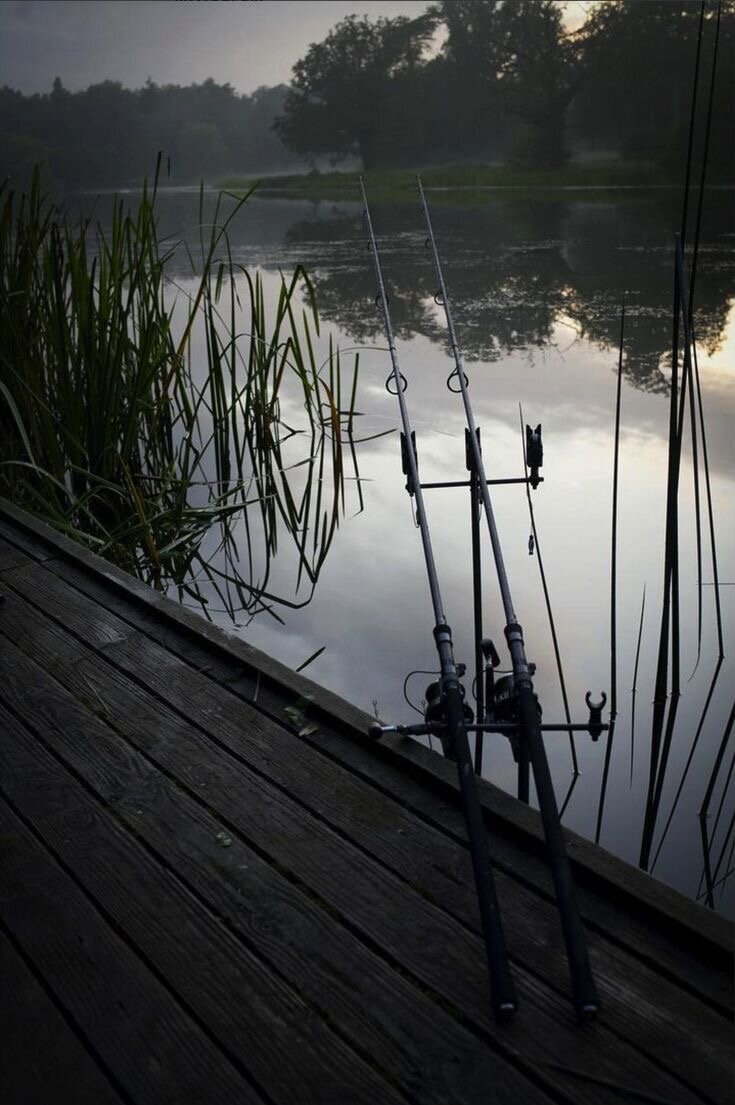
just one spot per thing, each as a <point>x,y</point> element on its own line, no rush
<point>594,726</point>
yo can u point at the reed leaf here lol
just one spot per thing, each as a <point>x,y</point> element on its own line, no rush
<point>176,472</point>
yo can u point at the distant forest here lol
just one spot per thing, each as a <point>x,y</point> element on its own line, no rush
<point>108,135</point>
<point>467,81</point>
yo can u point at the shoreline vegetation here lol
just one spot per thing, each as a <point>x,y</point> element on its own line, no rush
<point>175,463</point>
<point>462,183</point>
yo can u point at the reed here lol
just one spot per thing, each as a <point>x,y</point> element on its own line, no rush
<point>684,304</point>
<point>613,585</point>
<point>710,877</point>
<point>181,472</point>
<point>634,690</point>
<point>690,758</point>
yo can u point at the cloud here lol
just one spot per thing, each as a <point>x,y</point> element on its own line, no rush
<point>247,44</point>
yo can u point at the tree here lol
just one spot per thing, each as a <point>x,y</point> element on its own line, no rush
<point>258,147</point>
<point>108,135</point>
<point>512,72</point>
<point>58,92</point>
<point>643,108</point>
<point>197,145</point>
<point>340,98</point>
<point>541,70</point>
<point>469,110</point>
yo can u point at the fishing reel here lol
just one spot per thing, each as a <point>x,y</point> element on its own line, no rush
<point>435,717</point>
<point>501,697</point>
<point>435,713</point>
<point>501,704</point>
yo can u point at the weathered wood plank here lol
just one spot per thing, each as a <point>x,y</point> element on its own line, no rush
<point>12,557</point>
<point>380,910</point>
<point>668,922</point>
<point>41,1058</point>
<point>419,1045</point>
<point>644,1009</point>
<point>27,540</point>
<point>152,1049</point>
<point>425,783</point>
<point>688,922</point>
<point>256,1019</point>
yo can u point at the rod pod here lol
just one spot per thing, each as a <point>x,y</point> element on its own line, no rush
<point>531,744</point>
<point>502,990</point>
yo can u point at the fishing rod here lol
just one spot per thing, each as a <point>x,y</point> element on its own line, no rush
<point>526,708</point>
<point>449,712</point>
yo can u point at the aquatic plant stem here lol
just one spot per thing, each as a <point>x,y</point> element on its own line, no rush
<point>613,585</point>
<point>635,684</point>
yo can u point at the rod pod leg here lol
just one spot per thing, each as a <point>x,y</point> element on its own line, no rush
<point>584,991</point>
<point>523,769</point>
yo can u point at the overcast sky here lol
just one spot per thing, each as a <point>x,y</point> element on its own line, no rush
<point>247,43</point>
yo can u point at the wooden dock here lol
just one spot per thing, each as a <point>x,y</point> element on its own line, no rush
<point>207,900</point>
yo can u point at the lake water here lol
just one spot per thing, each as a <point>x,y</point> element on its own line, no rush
<point>536,286</point>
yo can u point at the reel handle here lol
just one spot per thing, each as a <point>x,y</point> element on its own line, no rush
<point>376,730</point>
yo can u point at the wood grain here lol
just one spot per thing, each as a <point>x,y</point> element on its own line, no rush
<point>387,912</point>
<point>142,1037</point>
<point>654,1016</point>
<point>41,1058</point>
<point>657,923</point>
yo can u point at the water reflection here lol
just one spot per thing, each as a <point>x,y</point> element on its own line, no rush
<point>536,291</point>
<point>521,275</point>
<point>517,269</point>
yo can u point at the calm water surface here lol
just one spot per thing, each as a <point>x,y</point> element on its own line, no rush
<point>536,287</point>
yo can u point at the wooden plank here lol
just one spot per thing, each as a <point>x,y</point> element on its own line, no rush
<point>19,527</point>
<point>426,784</point>
<point>418,1044</point>
<point>405,927</point>
<point>30,541</point>
<point>644,1009</point>
<point>12,557</point>
<point>681,922</point>
<point>258,1021</point>
<point>688,921</point>
<point>149,1046</point>
<point>41,1058</point>
<point>647,1011</point>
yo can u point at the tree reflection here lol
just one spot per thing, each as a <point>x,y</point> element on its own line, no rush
<point>516,269</point>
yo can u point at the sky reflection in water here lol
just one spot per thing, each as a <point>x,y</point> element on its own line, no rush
<point>536,289</point>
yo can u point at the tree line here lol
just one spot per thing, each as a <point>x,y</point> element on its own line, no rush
<point>108,135</point>
<point>505,80</point>
<point>468,80</point>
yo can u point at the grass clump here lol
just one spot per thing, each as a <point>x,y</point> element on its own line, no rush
<point>182,473</point>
